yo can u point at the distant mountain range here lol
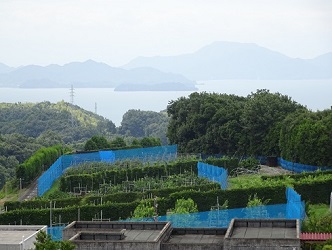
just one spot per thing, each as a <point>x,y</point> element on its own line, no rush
<point>230,60</point>
<point>91,74</point>
<point>217,61</point>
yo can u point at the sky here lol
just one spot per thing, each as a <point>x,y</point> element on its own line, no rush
<point>44,32</point>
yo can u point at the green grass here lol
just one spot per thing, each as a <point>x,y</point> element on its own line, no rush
<point>9,192</point>
<point>318,210</point>
<point>243,181</point>
<point>55,193</point>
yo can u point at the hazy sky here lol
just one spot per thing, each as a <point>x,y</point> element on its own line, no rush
<point>115,31</point>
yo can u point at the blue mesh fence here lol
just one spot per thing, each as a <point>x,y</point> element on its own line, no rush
<point>55,232</point>
<point>153,154</point>
<point>295,206</point>
<point>46,180</point>
<point>221,218</point>
<point>294,209</point>
<point>299,168</point>
<point>213,173</point>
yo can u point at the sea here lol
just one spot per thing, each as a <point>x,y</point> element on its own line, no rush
<point>314,94</point>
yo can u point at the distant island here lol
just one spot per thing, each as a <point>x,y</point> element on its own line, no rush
<point>91,74</point>
<point>217,61</point>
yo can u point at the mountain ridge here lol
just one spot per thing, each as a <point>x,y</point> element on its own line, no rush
<point>87,74</point>
<point>231,60</point>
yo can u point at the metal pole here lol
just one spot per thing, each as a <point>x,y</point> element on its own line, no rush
<point>331,202</point>
<point>50,213</point>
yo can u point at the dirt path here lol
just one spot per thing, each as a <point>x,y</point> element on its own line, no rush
<point>266,170</point>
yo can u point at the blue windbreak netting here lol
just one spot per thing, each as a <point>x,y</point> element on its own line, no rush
<point>294,209</point>
<point>153,154</point>
<point>299,168</point>
<point>107,156</point>
<point>55,232</point>
<point>46,180</point>
<point>295,206</point>
<point>222,218</point>
<point>213,173</point>
<point>75,159</point>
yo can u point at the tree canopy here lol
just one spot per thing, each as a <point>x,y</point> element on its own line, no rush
<point>60,121</point>
<point>263,123</point>
<point>139,124</point>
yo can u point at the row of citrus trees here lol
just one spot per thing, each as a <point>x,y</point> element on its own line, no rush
<point>29,170</point>
<point>121,205</point>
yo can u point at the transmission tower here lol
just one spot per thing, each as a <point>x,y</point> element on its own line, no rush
<point>95,108</point>
<point>72,103</point>
<point>72,94</point>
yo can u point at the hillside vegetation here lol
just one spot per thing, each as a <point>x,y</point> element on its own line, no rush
<point>263,123</point>
<point>71,123</point>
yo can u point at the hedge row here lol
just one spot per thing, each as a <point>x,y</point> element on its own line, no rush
<point>315,192</point>
<point>296,176</point>
<point>113,211</point>
<point>41,203</point>
<point>37,163</point>
<point>119,197</point>
<point>116,211</point>
<point>310,188</point>
<point>117,176</point>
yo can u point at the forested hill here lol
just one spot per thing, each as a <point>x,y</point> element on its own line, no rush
<point>71,123</point>
<point>263,123</point>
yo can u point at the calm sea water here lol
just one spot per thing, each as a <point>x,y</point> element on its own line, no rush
<point>315,94</point>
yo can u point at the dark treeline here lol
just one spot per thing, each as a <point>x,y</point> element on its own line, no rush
<point>262,123</point>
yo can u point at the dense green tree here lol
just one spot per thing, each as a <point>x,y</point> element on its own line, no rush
<point>141,124</point>
<point>150,142</point>
<point>49,138</point>
<point>306,137</point>
<point>19,146</point>
<point>184,206</point>
<point>144,209</point>
<point>228,124</point>
<point>263,111</point>
<point>206,123</point>
<point>45,242</point>
<point>97,143</point>
<point>118,142</point>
